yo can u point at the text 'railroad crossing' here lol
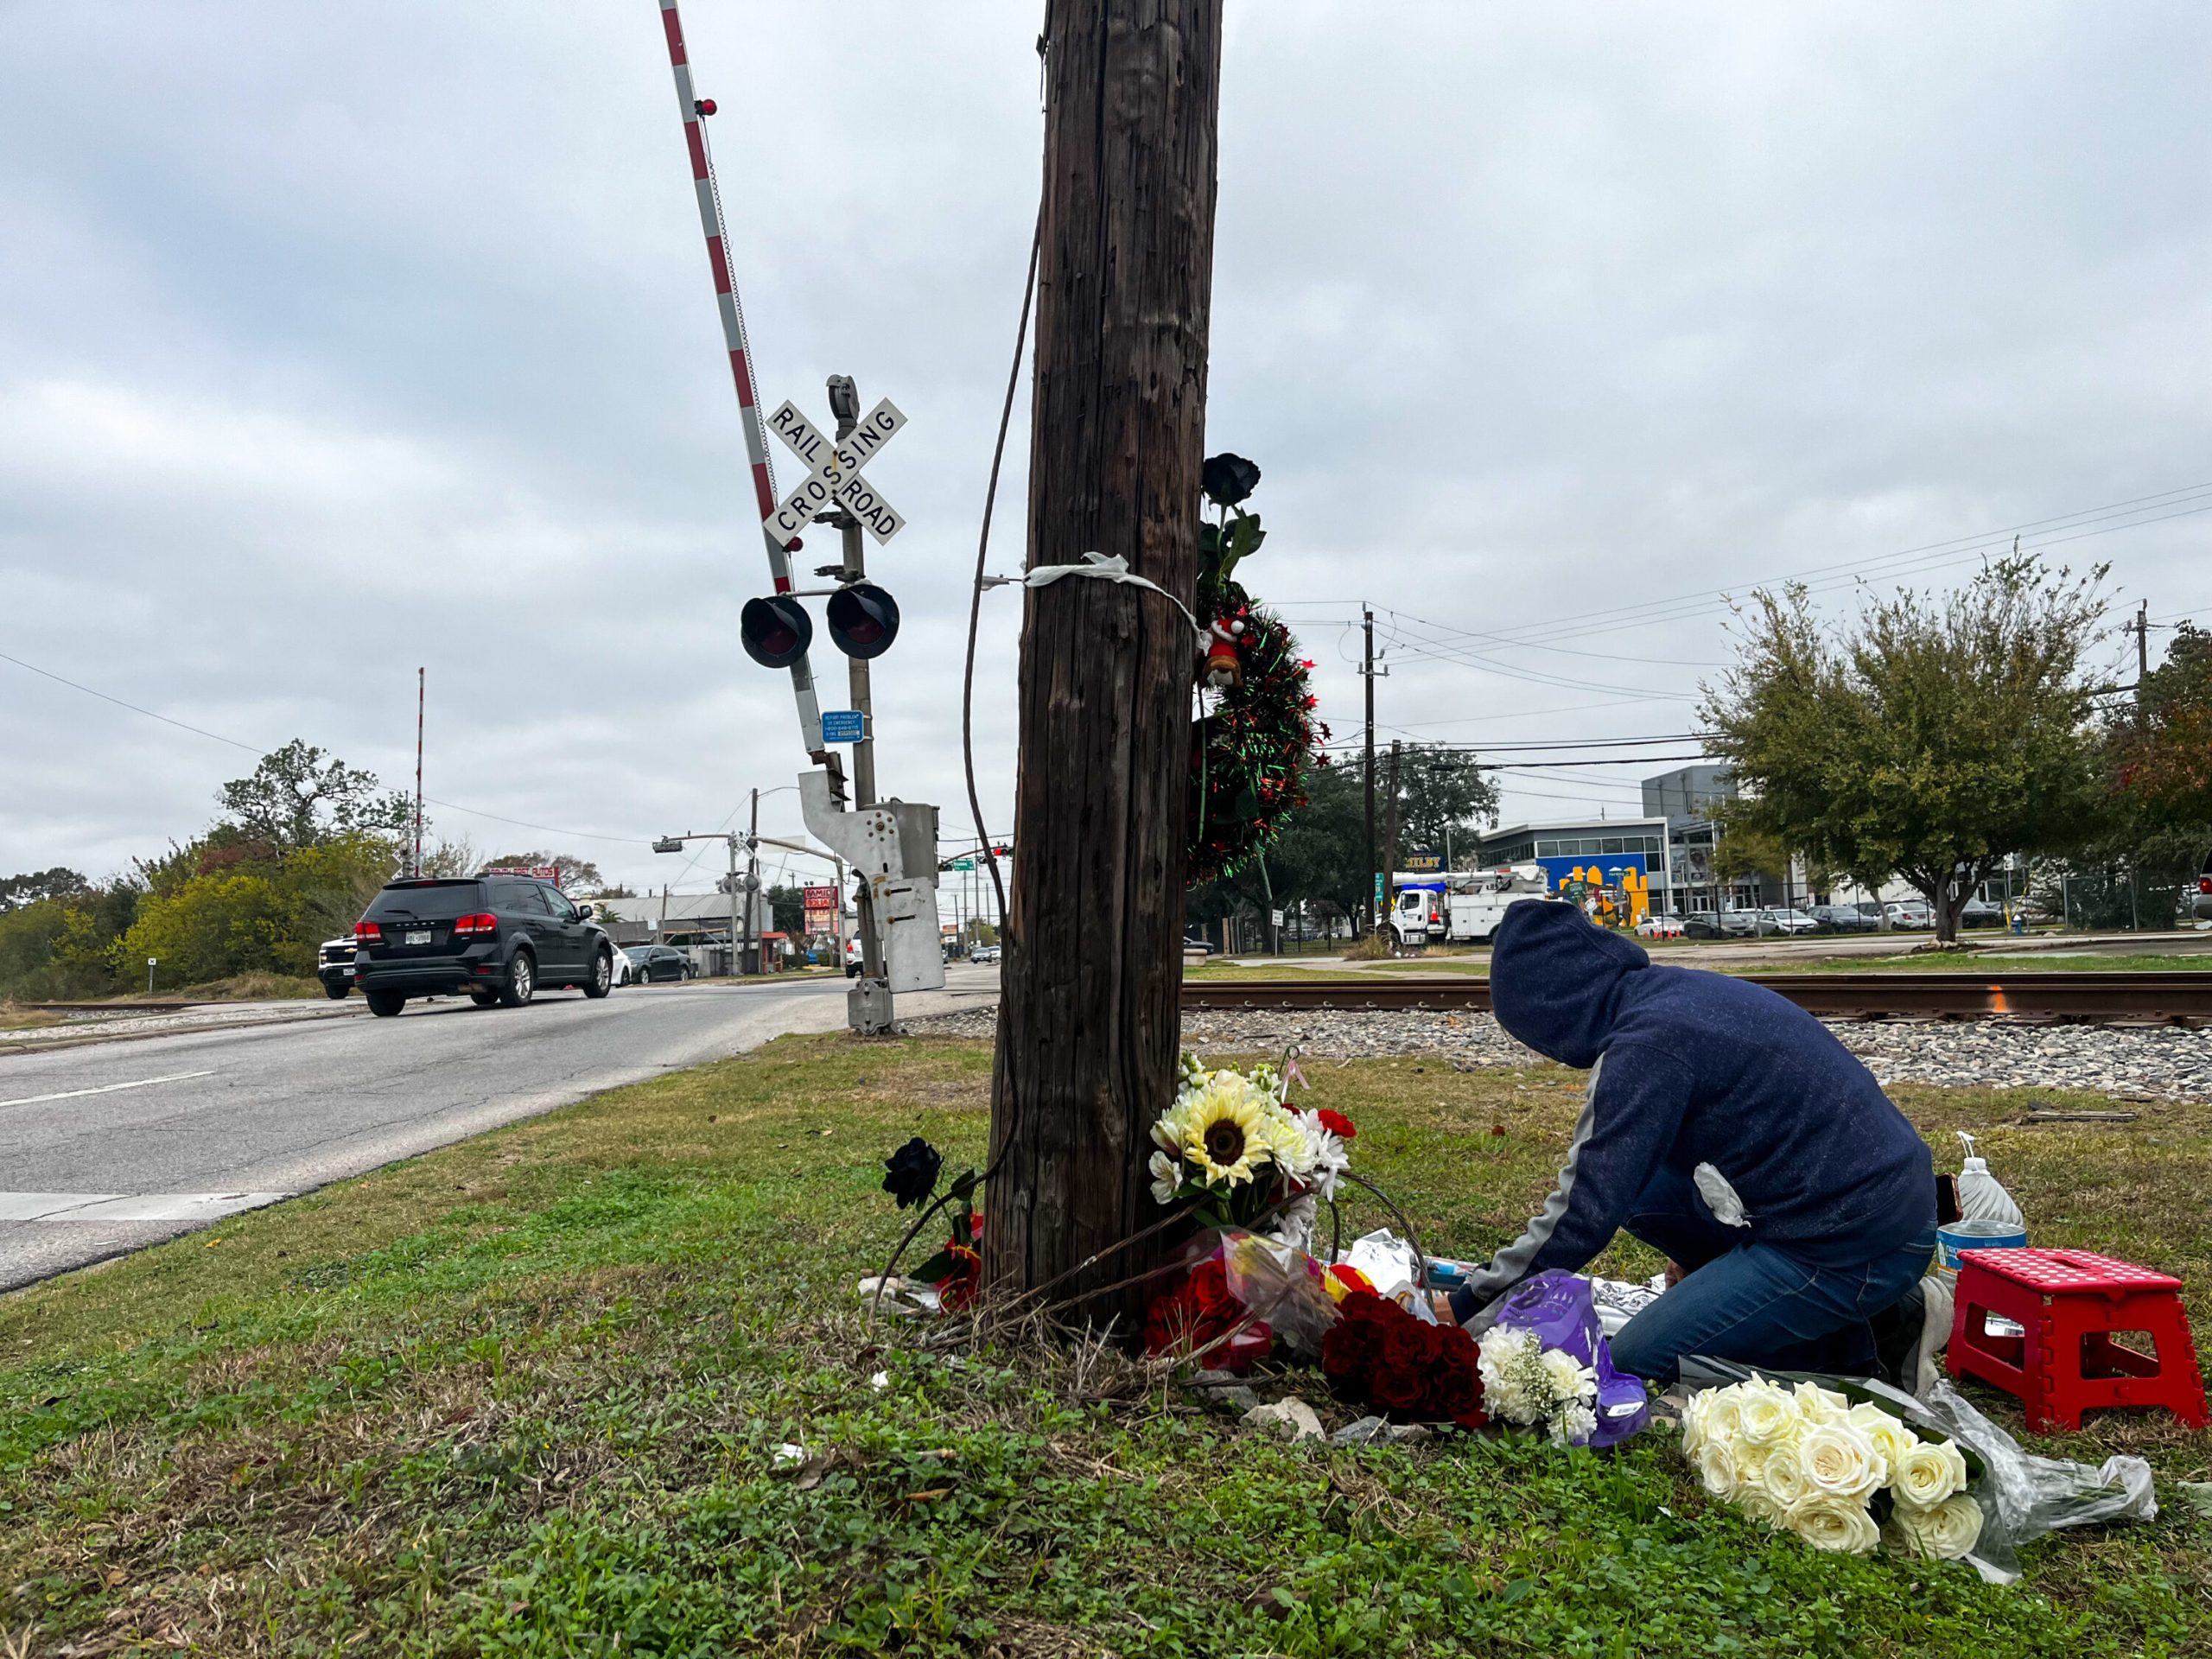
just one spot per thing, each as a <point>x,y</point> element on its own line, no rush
<point>834,476</point>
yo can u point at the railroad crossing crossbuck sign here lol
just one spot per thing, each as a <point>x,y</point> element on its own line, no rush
<point>835,477</point>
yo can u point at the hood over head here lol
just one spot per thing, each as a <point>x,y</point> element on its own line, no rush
<point>1554,978</point>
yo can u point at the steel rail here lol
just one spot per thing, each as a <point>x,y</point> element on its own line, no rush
<point>2179,998</point>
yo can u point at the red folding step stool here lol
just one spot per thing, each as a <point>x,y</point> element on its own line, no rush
<point>2067,1302</point>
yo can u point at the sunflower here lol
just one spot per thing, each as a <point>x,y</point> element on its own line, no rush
<point>1226,1130</point>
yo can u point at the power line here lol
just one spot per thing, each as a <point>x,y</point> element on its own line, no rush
<point>258,749</point>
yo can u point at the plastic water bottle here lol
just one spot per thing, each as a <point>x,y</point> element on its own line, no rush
<point>1981,1197</point>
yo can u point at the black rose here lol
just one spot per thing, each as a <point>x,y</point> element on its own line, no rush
<point>1227,479</point>
<point>913,1172</point>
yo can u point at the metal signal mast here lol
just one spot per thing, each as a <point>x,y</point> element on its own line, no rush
<point>694,109</point>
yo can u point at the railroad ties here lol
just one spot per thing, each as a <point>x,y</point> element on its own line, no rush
<point>2181,998</point>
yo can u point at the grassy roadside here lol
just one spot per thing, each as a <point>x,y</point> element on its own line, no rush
<point>524,1394</point>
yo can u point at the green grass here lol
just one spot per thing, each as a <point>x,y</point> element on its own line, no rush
<point>524,1397</point>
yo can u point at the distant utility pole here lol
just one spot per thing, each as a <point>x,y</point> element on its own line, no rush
<point>1089,1019</point>
<point>751,884</point>
<point>1367,674</point>
<point>418,773</point>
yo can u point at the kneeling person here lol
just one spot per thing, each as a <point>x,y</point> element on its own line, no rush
<point>1728,1128</point>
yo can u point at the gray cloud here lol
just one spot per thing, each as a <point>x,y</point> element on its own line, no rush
<point>334,342</point>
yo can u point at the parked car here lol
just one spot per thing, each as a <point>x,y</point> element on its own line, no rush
<point>501,938</point>
<point>1655,926</point>
<point>984,953</point>
<point>1782,921</point>
<point>1740,924</point>
<point>1980,912</point>
<point>659,963</point>
<point>854,962</point>
<point>1841,918</point>
<point>1206,945</point>
<point>1701,924</point>
<point>333,966</point>
<point>2201,903</point>
<point>1909,913</point>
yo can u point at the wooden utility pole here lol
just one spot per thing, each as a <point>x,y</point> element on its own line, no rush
<point>1089,1022</point>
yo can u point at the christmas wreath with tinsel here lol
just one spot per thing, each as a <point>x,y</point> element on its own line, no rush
<point>1250,749</point>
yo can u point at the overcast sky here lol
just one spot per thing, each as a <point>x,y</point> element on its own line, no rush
<point>337,340</point>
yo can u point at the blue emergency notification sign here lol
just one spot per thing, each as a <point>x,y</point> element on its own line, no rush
<point>843,726</point>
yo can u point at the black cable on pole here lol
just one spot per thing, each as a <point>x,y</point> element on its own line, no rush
<point>982,548</point>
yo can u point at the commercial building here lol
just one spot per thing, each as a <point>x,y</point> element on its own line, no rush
<point>1591,850</point>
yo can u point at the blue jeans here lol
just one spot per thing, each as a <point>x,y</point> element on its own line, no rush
<point>1757,1303</point>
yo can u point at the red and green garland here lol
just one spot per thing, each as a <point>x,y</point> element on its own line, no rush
<point>1249,753</point>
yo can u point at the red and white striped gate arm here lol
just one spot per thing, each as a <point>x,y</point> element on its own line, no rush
<point>740,359</point>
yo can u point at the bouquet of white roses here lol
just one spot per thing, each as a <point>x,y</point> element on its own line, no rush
<point>1841,1476</point>
<point>1232,1143</point>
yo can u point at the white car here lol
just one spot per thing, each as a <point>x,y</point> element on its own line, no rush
<point>1788,922</point>
<point>1909,913</point>
<point>1660,927</point>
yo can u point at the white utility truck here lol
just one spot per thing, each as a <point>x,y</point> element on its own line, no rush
<point>1468,907</point>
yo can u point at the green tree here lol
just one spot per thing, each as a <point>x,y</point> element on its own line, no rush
<point>1443,795</point>
<point>216,926</point>
<point>1927,741</point>
<point>295,798</point>
<point>16,891</point>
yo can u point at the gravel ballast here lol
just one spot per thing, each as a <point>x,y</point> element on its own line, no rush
<point>2154,1063</point>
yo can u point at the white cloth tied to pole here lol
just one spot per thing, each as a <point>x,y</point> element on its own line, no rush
<point>1100,568</point>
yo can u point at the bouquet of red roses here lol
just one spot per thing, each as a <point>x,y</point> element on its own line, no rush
<point>1197,1312</point>
<point>1377,1355</point>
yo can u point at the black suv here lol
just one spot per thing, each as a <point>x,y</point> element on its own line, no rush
<point>498,937</point>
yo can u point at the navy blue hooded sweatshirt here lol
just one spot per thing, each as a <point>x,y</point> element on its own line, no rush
<point>1696,1068</point>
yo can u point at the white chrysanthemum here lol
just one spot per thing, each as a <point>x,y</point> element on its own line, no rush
<point>1839,1460</point>
<point>1929,1473</point>
<point>1512,1374</point>
<point>1891,1438</point>
<point>1818,1405</point>
<point>1569,1377</point>
<point>1294,1223</point>
<point>1840,1524</point>
<point>1573,1424</point>
<point>1768,1416</point>
<point>1324,1156</point>
<point>1781,1477</point>
<point>1166,1176</point>
<point>1946,1531</point>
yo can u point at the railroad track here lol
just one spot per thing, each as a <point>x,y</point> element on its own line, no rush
<point>2181,998</point>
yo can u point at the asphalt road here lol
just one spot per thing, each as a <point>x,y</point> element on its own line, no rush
<point>113,1146</point>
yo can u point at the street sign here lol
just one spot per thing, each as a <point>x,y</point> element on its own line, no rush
<point>963,864</point>
<point>1378,878</point>
<point>833,477</point>
<point>1275,917</point>
<point>843,726</point>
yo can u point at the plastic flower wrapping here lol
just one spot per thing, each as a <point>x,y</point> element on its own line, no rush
<point>1233,1146</point>
<point>1841,1475</point>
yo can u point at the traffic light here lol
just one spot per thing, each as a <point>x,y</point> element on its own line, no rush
<point>669,844</point>
<point>775,632</point>
<point>863,619</point>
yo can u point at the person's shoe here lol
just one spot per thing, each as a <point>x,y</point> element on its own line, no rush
<point>1938,1300</point>
<point>1899,1331</point>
